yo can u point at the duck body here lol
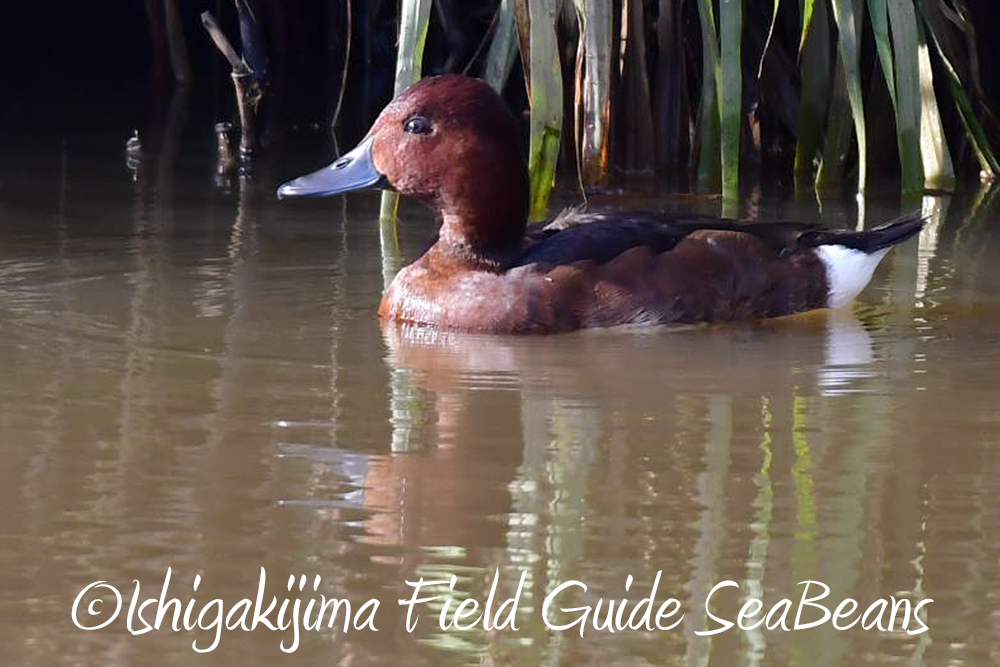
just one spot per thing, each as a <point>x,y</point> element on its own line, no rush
<point>607,270</point>
<point>450,142</point>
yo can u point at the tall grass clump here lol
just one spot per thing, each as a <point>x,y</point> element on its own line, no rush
<point>832,92</point>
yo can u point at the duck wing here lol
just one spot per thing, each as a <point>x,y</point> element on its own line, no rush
<point>601,236</point>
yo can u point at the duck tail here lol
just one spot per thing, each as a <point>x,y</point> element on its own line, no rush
<point>850,258</point>
<point>870,240</point>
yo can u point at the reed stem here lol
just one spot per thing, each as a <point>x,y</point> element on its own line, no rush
<point>413,21</point>
<point>546,105</point>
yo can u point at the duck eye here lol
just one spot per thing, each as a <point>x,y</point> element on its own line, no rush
<point>417,125</point>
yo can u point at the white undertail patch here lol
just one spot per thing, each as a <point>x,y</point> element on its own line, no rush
<point>847,271</point>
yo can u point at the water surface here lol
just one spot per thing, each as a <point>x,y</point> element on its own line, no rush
<point>192,376</point>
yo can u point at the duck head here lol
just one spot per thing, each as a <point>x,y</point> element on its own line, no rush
<point>450,142</point>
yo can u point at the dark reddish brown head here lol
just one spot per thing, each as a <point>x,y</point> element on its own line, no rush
<point>450,142</point>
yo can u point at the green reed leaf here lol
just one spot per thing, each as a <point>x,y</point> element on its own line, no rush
<point>879,14</point>
<point>808,11</point>
<point>503,48</point>
<point>546,104</point>
<point>731,94</point>
<point>903,20</point>
<point>593,90</point>
<point>848,16</point>
<point>973,128</point>
<point>837,142</point>
<point>770,36</point>
<point>817,83</point>
<point>414,17</point>
<point>938,169</point>
<point>708,112</point>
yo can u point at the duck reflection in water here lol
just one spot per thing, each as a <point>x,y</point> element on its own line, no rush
<point>452,392</point>
<point>827,341</point>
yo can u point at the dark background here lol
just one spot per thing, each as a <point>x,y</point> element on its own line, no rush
<point>73,70</point>
<point>72,67</point>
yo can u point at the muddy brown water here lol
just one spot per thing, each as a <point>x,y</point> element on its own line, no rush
<point>192,376</point>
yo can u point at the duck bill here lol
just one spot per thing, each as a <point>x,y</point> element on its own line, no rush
<point>352,171</point>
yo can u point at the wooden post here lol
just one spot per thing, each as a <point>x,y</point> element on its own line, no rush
<point>249,91</point>
<point>248,97</point>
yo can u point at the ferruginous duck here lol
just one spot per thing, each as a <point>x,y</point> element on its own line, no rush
<point>451,142</point>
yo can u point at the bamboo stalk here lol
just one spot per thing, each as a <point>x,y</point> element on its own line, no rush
<point>414,17</point>
<point>546,105</point>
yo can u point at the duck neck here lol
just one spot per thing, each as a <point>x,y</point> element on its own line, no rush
<point>484,231</point>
